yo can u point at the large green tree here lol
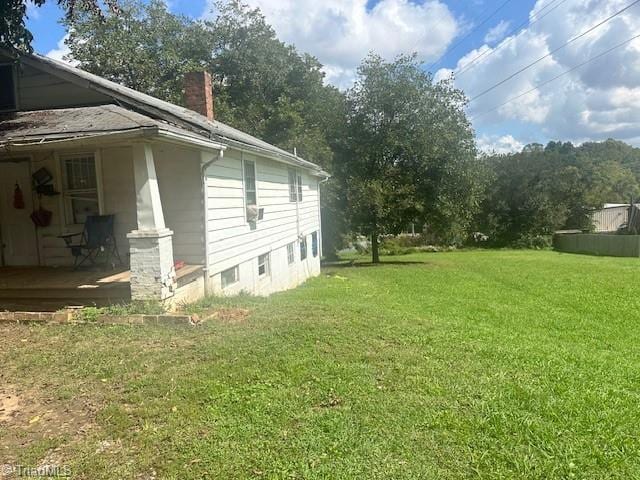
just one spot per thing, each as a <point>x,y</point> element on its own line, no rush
<point>411,153</point>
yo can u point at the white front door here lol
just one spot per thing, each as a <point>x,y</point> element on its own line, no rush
<point>17,231</point>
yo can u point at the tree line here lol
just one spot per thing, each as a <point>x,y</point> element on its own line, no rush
<point>398,144</point>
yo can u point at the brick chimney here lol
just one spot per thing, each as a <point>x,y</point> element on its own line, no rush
<point>198,95</point>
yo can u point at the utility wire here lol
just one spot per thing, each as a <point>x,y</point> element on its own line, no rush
<point>502,82</point>
<point>566,72</point>
<point>457,44</point>
<point>519,29</point>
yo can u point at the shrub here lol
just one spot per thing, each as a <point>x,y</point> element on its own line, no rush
<point>537,242</point>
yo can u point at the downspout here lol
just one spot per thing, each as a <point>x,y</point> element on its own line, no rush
<point>205,202</point>
<point>320,182</point>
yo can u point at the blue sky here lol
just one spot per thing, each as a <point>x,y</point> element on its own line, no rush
<point>598,101</point>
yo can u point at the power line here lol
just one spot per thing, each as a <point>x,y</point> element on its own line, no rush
<point>455,45</point>
<point>566,72</point>
<point>519,29</point>
<point>502,82</point>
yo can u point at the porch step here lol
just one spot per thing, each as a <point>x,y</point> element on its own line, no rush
<point>112,291</point>
<point>42,300</point>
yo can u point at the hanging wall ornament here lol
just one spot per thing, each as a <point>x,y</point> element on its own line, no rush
<point>18,198</point>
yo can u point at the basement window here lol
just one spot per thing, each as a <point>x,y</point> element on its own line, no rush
<point>303,248</point>
<point>230,276</point>
<point>291,256</point>
<point>263,265</point>
<point>7,88</point>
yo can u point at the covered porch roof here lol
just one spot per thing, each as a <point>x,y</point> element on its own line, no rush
<point>102,123</point>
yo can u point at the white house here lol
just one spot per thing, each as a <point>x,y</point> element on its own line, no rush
<point>198,207</point>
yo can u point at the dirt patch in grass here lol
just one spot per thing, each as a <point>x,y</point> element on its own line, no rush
<point>224,315</point>
<point>27,418</point>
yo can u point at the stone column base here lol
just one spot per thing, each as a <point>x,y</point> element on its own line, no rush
<point>153,275</point>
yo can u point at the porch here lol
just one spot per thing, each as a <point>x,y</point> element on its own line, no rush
<point>51,288</point>
<point>152,189</point>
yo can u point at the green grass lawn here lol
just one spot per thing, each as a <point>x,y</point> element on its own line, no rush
<point>479,364</point>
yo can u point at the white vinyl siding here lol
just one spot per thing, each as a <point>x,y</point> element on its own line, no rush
<point>231,240</point>
<point>39,90</point>
<point>180,183</point>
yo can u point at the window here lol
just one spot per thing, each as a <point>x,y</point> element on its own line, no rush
<point>263,265</point>
<point>291,256</point>
<point>303,248</point>
<point>250,192</point>
<point>7,88</point>
<point>80,187</point>
<point>314,244</point>
<point>293,196</point>
<point>230,276</point>
<point>299,188</point>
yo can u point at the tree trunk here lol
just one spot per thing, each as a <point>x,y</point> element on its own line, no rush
<point>375,248</point>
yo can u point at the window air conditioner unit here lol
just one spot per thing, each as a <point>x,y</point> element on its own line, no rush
<point>252,213</point>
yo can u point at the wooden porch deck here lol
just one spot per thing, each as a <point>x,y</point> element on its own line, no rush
<point>51,288</point>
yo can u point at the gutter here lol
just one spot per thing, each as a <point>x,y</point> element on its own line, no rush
<point>320,246</point>
<point>43,142</point>
<point>136,133</point>
<point>242,147</point>
<point>189,140</point>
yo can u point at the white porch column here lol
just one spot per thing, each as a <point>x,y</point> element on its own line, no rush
<point>153,274</point>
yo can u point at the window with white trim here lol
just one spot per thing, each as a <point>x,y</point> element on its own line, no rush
<point>291,255</point>
<point>314,244</point>
<point>303,248</point>
<point>8,91</point>
<point>79,187</point>
<point>299,187</point>
<point>230,276</point>
<point>263,265</point>
<point>293,196</point>
<point>250,192</point>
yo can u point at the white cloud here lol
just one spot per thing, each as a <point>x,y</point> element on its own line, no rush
<point>498,32</point>
<point>340,33</point>
<point>599,100</point>
<point>61,50</point>
<point>499,144</point>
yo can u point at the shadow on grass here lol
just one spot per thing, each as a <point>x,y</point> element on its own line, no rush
<point>382,263</point>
